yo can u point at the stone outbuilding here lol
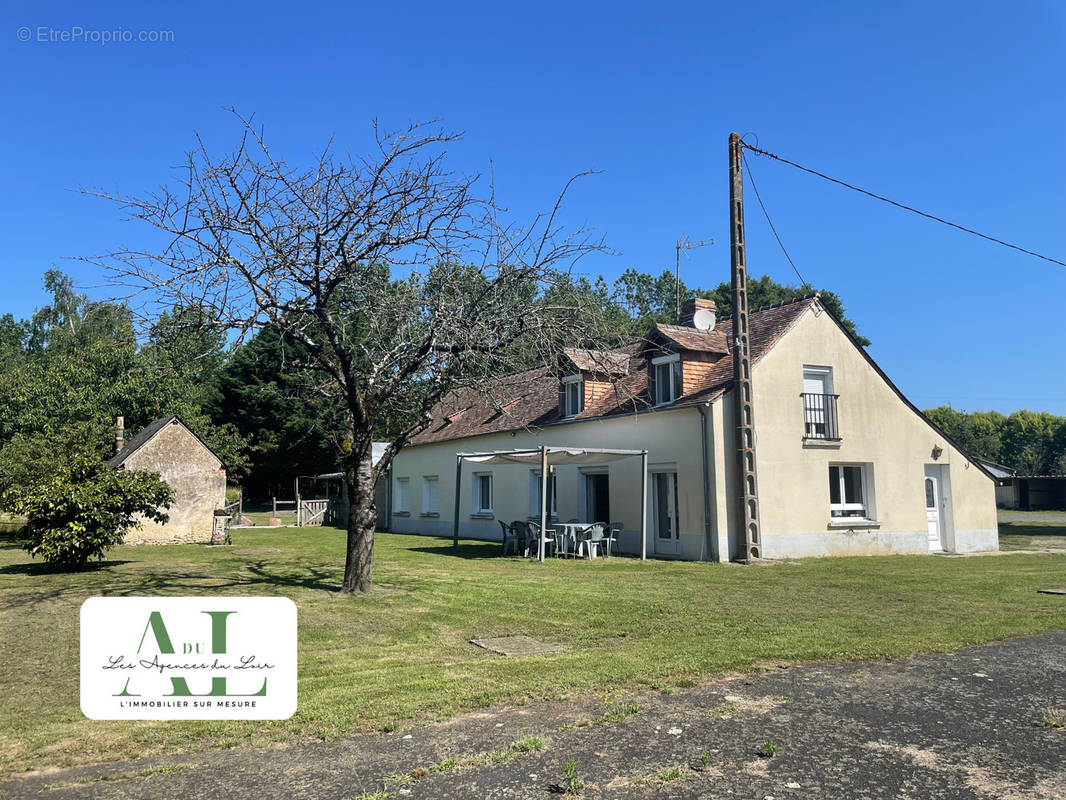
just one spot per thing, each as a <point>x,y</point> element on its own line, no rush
<point>194,474</point>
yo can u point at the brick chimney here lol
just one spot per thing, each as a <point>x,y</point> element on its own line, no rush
<point>120,434</point>
<point>690,307</point>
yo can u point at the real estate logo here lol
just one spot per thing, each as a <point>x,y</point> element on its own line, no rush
<point>188,658</point>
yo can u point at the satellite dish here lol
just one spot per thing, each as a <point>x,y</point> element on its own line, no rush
<point>703,320</point>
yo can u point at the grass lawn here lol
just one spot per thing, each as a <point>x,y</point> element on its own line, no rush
<point>401,654</point>
<point>1032,530</point>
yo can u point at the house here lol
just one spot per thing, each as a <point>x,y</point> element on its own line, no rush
<point>194,474</point>
<point>846,465</point>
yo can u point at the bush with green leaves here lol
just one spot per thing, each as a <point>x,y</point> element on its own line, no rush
<point>84,507</point>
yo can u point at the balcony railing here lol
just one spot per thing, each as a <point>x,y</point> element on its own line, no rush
<point>820,416</point>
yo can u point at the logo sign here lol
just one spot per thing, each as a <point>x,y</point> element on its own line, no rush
<point>188,658</point>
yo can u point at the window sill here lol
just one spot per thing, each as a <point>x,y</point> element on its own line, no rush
<point>482,515</point>
<point>536,518</point>
<point>854,522</point>
<point>817,441</point>
<point>401,513</point>
<point>429,514</point>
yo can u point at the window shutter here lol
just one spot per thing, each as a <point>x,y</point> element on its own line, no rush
<point>562,399</point>
<point>651,383</point>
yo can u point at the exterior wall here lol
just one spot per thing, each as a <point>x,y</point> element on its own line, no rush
<point>877,428</point>
<point>671,438</point>
<point>194,476</point>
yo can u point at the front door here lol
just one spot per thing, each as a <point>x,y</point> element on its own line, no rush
<point>664,497</point>
<point>932,512</point>
<point>598,498</point>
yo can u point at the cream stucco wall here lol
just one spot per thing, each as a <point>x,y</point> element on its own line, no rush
<point>877,429</point>
<point>671,438</point>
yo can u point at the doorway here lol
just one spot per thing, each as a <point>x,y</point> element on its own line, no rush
<point>598,498</point>
<point>665,511</point>
<point>937,510</point>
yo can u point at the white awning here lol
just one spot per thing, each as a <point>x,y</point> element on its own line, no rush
<point>555,455</point>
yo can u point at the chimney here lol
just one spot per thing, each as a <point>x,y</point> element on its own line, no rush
<point>120,431</point>
<point>698,313</point>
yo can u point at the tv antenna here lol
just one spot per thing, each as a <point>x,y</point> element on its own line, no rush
<point>686,244</point>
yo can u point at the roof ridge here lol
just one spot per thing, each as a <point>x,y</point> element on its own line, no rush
<point>809,296</point>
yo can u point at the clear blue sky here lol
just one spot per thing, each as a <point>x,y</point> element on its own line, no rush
<point>956,107</point>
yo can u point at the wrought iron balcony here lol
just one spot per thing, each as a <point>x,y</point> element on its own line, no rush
<point>820,416</point>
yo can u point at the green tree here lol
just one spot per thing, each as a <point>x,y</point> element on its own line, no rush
<point>84,508</point>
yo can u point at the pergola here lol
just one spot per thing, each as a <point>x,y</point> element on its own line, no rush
<point>548,457</point>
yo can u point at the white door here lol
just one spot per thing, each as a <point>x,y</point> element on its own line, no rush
<point>932,512</point>
<point>664,507</point>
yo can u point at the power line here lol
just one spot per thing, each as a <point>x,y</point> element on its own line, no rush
<point>766,214</point>
<point>905,207</point>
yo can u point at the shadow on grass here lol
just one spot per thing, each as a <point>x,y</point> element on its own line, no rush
<point>1031,529</point>
<point>468,551</point>
<point>44,568</point>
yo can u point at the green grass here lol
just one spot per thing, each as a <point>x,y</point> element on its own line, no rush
<point>1032,536</point>
<point>401,654</point>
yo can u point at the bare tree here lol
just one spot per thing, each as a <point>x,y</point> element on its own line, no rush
<point>398,278</point>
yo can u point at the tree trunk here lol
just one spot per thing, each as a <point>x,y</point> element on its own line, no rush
<point>362,520</point>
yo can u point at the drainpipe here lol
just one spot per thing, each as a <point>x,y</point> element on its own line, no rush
<point>710,541</point>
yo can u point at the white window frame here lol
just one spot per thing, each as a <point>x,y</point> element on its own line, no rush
<point>430,496</point>
<point>569,383</point>
<point>401,496</point>
<point>478,498</point>
<point>534,494</point>
<point>817,416</point>
<point>661,361</point>
<point>842,511</point>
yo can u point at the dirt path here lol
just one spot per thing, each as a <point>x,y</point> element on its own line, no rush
<point>963,725</point>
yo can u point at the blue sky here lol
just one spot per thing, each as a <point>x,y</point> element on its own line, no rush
<point>955,107</point>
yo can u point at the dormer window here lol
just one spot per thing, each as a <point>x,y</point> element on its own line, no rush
<point>573,395</point>
<point>666,379</point>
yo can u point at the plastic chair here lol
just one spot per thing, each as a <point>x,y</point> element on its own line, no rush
<point>535,538</point>
<point>591,539</point>
<point>613,530</point>
<point>521,529</point>
<point>510,537</point>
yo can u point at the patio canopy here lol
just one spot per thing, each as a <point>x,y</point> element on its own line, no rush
<point>547,457</point>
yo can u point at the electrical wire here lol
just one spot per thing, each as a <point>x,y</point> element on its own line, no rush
<point>905,207</point>
<point>751,179</point>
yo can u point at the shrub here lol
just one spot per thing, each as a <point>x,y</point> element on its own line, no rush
<point>84,508</point>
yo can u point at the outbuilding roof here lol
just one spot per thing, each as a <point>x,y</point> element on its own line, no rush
<point>146,434</point>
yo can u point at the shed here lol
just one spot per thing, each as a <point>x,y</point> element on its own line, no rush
<point>193,472</point>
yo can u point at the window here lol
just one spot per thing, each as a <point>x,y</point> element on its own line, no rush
<point>666,379</point>
<point>402,494</point>
<point>573,395</point>
<point>849,491</point>
<point>483,493</point>
<point>430,495</point>
<point>534,494</point>
<point>819,404</point>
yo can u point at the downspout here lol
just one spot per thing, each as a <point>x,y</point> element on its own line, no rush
<point>710,541</point>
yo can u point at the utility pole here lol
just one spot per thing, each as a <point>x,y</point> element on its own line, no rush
<point>683,244</point>
<point>750,540</point>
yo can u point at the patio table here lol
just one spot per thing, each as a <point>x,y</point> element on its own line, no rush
<point>569,530</point>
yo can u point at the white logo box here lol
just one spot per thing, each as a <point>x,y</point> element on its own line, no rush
<point>172,658</point>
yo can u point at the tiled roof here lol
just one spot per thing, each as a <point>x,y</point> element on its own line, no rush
<point>144,435</point>
<point>604,362</point>
<point>531,398</point>
<point>692,339</point>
